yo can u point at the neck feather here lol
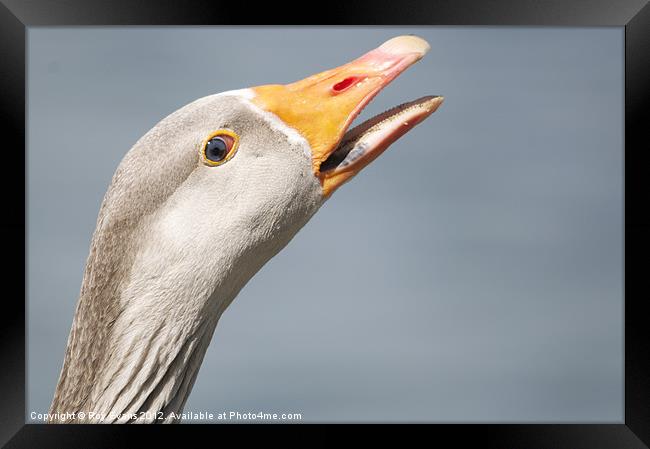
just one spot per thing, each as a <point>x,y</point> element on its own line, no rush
<point>143,372</point>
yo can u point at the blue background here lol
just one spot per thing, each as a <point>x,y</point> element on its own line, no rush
<point>473,273</point>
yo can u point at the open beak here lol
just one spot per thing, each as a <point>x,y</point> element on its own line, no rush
<point>323,106</point>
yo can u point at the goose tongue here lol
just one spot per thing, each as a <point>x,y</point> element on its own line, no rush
<point>363,143</point>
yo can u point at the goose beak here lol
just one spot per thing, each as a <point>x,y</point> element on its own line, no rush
<point>323,106</point>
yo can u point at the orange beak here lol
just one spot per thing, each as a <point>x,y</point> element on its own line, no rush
<point>322,107</point>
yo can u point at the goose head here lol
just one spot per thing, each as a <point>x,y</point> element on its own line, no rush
<point>197,206</point>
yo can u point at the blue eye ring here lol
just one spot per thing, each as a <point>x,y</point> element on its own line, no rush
<point>219,147</point>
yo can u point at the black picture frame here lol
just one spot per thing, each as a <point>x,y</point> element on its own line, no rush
<point>634,15</point>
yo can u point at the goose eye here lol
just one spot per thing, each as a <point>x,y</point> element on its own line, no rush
<point>219,147</point>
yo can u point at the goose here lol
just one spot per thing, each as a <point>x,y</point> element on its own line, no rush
<point>197,206</point>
